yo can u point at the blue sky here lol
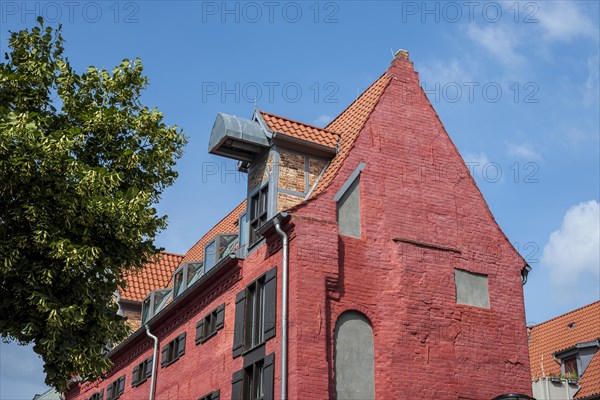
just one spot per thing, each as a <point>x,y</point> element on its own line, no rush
<point>515,84</point>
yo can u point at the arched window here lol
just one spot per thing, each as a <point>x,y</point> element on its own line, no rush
<point>354,357</point>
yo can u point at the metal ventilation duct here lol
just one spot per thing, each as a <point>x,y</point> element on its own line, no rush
<point>237,138</point>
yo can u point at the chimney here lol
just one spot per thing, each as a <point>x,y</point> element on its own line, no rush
<point>401,55</point>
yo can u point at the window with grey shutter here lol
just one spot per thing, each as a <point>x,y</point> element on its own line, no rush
<point>268,376</point>
<point>134,376</point>
<point>238,328</point>
<point>180,345</point>
<point>149,364</point>
<point>220,317</point>
<point>270,303</point>
<point>109,392</point>
<point>237,385</point>
<point>199,331</point>
<point>164,360</point>
<point>121,385</point>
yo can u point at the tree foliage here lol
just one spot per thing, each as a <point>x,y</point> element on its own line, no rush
<point>82,162</point>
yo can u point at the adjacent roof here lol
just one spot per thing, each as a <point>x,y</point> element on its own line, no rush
<point>153,276</point>
<point>229,224</point>
<point>300,130</point>
<point>349,124</point>
<point>563,332</point>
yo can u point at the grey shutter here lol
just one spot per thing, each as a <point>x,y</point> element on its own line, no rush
<point>134,376</point>
<point>109,392</point>
<point>237,385</point>
<point>268,375</point>
<point>220,317</point>
<point>216,395</point>
<point>102,394</point>
<point>270,303</point>
<point>165,356</point>
<point>181,345</point>
<point>199,331</point>
<point>121,386</point>
<point>149,365</point>
<point>238,328</point>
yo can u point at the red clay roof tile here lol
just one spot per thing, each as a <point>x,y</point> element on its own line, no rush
<point>563,332</point>
<point>300,130</point>
<point>154,275</point>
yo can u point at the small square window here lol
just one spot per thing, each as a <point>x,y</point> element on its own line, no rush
<point>570,366</point>
<point>142,372</point>
<point>471,288</point>
<point>116,389</point>
<point>173,350</point>
<point>97,396</point>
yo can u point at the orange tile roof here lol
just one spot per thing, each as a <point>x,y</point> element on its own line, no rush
<point>229,224</point>
<point>555,335</point>
<point>154,275</point>
<point>590,381</point>
<point>300,130</point>
<point>349,124</point>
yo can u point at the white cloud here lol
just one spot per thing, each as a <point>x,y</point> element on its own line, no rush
<point>524,151</point>
<point>499,40</point>
<point>445,72</point>
<point>322,120</point>
<point>564,21</point>
<point>572,253</point>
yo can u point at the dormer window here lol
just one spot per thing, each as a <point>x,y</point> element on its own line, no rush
<point>258,212</point>
<point>221,246</point>
<point>570,366</point>
<point>185,276</point>
<point>154,302</point>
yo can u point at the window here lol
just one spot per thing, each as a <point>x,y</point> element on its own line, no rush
<point>570,366</point>
<point>348,205</point>
<point>255,313</point>
<point>154,302</point>
<point>209,325</point>
<point>172,351</point>
<point>255,380</point>
<point>471,289</point>
<point>115,389</point>
<point>216,395</point>
<point>142,372</point>
<point>97,396</point>
<point>217,249</point>
<point>258,213</point>
<point>185,276</point>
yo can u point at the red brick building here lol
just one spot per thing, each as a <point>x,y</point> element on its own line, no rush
<point>370,239</point>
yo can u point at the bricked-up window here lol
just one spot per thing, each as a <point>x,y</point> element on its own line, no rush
<point>348,205</point>
<point>258,212</point>
<point>255,380</point>
<point>97,396</point>
<point>142,372</point>
<point>471,288</point>
<point>173,350</point>
<point>210,324</point>
<point>255,308</point>
<point>216,395</point>
<point>115,389</point>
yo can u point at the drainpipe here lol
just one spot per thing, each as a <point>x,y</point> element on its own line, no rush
<point>154,356</point>
<point>284,308</point>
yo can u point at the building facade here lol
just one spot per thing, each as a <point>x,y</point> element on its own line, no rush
<point>364,263</point>
<point>565,361</point>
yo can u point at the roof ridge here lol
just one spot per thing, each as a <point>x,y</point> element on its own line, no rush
<point>565,314</point>
<point>298,122</point>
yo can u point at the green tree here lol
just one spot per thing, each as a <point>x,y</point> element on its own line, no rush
<point>82,162</point>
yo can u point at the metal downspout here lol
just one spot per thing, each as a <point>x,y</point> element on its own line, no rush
<point>154,359</point>
<point>284,309</point>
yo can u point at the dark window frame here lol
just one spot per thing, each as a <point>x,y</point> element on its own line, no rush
<point>570,365</point>
<point>142,372</point>
<point>215,395</point>
<point>208,326</point>
<point>172,351</point>
<point>97,396</point>
<point>255,313</point>
<point>259,213</point>
<point>255,380</point>
<point>116,388</point>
